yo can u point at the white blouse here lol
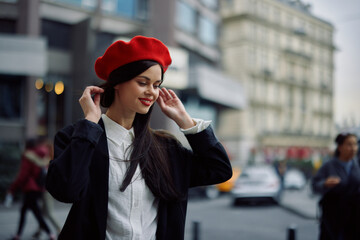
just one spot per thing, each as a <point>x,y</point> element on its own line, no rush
<point>132,214</point>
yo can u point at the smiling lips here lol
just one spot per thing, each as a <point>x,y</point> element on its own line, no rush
<point>146,101</point>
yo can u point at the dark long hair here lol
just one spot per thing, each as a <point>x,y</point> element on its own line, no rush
<point>149,146</point>
<point>340,139</point>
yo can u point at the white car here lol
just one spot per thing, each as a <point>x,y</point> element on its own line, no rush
<point>294,179</point>
<point>257,183</point>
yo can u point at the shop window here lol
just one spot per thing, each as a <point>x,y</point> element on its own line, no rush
<point>7,26</point>
<point>10,97</point>
<point>57,34</point>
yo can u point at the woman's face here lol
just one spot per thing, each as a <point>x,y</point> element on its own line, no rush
<point>140,93</point>
<point>348,149</point>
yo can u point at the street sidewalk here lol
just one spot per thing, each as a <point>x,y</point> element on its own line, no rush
<point>301,202</point>
<point>9,218</point>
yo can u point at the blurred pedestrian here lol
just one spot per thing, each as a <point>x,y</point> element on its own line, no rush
<point>338,180</point>
<point>126,180</point>
<point>47,200</point>
<point>281,168</point>
<point>29,181</point>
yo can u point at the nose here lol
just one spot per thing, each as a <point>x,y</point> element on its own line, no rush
<point>151,91</point>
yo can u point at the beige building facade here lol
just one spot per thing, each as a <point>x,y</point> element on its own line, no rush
<point>284,57</point>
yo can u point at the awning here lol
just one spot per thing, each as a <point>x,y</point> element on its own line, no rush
<point>20,55</point>
<point>215,86</point>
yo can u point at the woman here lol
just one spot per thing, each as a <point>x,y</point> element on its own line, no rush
<point>27,181</point>
<point>338,180</point>
<point>125,180</point>
<point>47,199</point>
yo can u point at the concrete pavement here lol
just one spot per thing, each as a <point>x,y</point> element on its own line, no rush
<point>300,202</point>
<point>9,218</point>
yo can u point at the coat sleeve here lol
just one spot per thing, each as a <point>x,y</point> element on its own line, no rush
<point>23,176</point>
<point>328,169</point>
<point>68,174</point>
<point>318,180</point>
<point>209,162</point>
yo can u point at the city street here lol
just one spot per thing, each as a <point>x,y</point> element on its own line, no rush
<point>218,219</point>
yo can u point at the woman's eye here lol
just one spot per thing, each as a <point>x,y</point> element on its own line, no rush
<point>142,84</point>
<point>156,86</point>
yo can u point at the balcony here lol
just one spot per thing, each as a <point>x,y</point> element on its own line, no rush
<point>295,54</point>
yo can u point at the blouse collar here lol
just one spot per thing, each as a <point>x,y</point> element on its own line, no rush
<point>116,132</point>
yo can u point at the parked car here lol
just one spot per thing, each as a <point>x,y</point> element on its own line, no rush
<point>210,192</point>
<point>257,183</point>
<point>294,179</point>
<point>229,184</point>
<point>213,191</point>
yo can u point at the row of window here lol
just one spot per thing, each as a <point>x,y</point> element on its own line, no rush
<point>193,22</point>
<point>300,23</point>
<point>265,120</point>
<point>282,95</point>
<point>270,40</point>
<point>133,9</point>
<point>280,40</point>
<point>187,19</point>
<point>57,34</point>
<point>259,59</point>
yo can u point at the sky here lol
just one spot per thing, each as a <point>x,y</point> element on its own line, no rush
<point>344,15</point>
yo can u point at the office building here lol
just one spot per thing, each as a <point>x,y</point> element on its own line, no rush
<point>284,57</point>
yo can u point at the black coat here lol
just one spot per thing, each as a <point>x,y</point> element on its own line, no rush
<point>340,205</point>
<point>79,174</point>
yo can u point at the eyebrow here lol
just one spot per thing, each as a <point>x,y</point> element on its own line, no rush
<point>148,79</point>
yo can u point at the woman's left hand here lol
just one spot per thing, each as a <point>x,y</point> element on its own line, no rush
<point>172,107</point>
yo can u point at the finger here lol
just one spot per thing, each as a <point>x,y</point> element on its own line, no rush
<point>167,95</point>
<point>172,93</point>
<point>90,90</point>
<point>96,90</point>
<point>160,101</point>
<point>97,99</point>
<point>161,93</point>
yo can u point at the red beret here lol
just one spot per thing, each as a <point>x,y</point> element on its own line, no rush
<point>139,48</point>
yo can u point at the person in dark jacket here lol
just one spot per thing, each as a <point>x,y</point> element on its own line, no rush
<point>124,179</point>
<point>27,182</point>
<point>338,180</point>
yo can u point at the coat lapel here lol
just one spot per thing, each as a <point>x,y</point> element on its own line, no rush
<point>99,173</point>
<point>339,169</point>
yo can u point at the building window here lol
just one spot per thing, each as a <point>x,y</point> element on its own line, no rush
<point>207,31</point>
<point>11,94</point>
<point>7,26</point>
<point>134,9</point>
<point>57,34</point>
<point>142,9</point>
<point>78,2</point>
<point>185,17</point>
<point>111,6</point>
<point>212,4</point>
<point>251,57</point>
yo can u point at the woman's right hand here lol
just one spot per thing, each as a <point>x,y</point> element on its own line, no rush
<point>332,181</point>
<point>90,107</point>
